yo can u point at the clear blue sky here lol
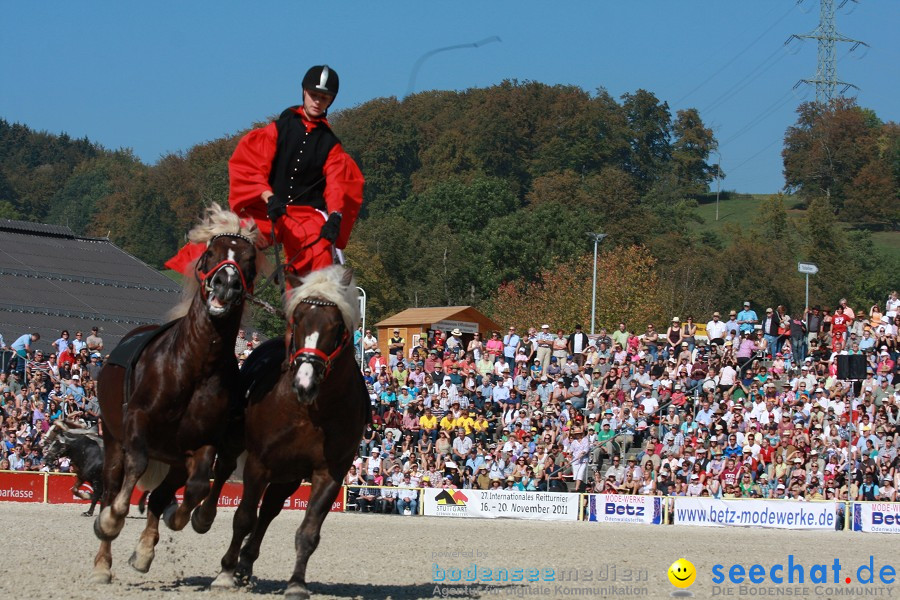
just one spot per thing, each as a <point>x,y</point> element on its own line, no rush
<point>162,76</point>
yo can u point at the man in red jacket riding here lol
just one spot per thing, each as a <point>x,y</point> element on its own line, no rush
<point>294,175</point>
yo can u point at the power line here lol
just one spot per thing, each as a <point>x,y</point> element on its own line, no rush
<point>762,116</point>
<point>746,80</point>
<point>754,155</point>
<point>736,56</point>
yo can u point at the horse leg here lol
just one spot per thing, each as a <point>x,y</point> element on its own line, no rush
<point>195,489</point>
<point>228,451</point>
<point>272,503</point>
<point>324,490</point>
<point>160,498</point>
<point>78,492</point>
<point>202,518</point>
<point>112,480</point>
<point>112,517</point>
<point>244,520</point>
<point>102,572</point>
<point>97,491</point>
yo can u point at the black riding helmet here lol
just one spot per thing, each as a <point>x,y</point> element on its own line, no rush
<point>321,78</point>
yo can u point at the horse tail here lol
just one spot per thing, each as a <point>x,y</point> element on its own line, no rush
<point>153,476</point>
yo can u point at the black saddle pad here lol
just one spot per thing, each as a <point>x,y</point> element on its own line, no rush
<point>126,353</point>
<point>262,368</point>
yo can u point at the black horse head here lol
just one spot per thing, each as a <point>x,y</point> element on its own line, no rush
<point>226,272</point>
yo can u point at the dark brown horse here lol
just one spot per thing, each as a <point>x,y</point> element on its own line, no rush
<point>307,409</point>
<point>171,409</point>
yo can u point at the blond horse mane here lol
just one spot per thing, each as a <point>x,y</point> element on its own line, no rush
<point>327,284</point>
<point>216,221</point>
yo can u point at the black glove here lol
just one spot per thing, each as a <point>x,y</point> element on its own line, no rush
<point>332,227</point>
<point>276,208</point>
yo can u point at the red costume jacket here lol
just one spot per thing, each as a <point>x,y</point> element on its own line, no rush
<point>302,162</point>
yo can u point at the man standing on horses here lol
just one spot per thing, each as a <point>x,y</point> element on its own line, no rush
<point>294,176</point>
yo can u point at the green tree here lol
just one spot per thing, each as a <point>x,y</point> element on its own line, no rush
<point>76,203</point>
<point>773,226</point>
<point>693,144</point>
<point>753,271</point>
<point>463,207</point>
<point>650,124</point>
<point>824,245</point>
<point>827,147</point>
<point>522,244</point>
<point>873,271</point>
<point>627,288</point>
<point>386,147</point>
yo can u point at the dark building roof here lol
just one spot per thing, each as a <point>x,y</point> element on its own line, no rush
<point>51,279</point>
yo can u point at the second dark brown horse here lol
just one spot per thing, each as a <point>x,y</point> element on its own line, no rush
<point>308,405</point>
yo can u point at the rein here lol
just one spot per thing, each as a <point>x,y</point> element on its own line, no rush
<point>281,268</point>
<point>308,355</point>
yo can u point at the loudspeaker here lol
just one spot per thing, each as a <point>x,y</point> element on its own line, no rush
<point>851,366</point>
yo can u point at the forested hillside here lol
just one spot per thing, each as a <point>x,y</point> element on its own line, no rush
<point>486,197</point>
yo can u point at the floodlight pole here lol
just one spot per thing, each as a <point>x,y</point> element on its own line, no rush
<point>718,179</point>
<point>362,306</point>
<point>597,237</point>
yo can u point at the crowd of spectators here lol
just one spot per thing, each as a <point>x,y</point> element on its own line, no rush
<point>748,406</point>
<point>38,388</point>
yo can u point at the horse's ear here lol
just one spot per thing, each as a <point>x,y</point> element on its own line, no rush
<point>292,281</point>
<point>347,278</point>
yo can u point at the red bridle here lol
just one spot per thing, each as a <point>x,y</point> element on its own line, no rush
<point>205,276</point>
<point>308,355</point>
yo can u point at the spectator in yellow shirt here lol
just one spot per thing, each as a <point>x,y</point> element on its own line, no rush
<point>429,424</point>
<point>448,424</point>
<point>480,428</point>
<point>467,422</point>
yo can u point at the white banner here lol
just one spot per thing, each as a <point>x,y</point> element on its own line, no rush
<point>493,504</point>
<point>876,517</point>
<point>448,326</point>
<point>777,514</point>
<point>618,508</point>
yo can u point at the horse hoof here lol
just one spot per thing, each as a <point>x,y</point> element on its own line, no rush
<point>223,581</point>
<point>101,577</point>
<point>242,575</point>
<point>200,524</point>
<point>141,562</point>
<point>296,591</point>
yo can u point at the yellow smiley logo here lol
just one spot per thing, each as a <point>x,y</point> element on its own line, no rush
<point>682,573</point>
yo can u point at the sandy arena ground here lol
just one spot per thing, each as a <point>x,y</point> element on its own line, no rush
<point>49,549</point>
